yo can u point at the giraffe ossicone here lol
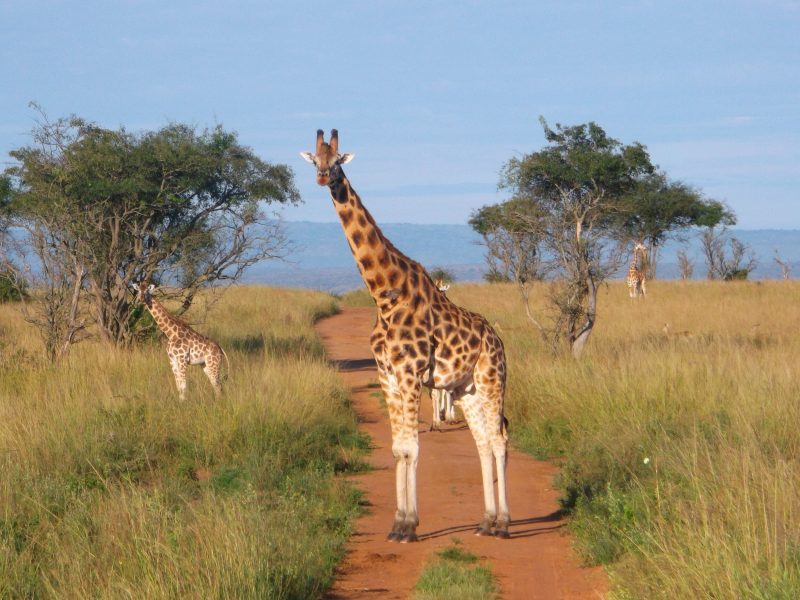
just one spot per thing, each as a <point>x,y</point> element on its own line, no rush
<point>184,345</point>
<point>421,338</point>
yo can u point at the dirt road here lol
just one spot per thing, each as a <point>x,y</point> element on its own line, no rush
<point>536,563</point>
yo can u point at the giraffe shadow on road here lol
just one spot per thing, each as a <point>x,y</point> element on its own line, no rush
<point>354,364</point>
<point>553,517</point>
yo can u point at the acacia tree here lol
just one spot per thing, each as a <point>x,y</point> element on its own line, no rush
<point>574,190</point>
<point>658,209</point>
<point>172,205</point>
<point>785,265</point>
<point>719,263</point>
<point>513,249</point>
<point>685,264</point>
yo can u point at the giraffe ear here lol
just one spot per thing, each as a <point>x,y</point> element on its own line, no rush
<point>308,156</point>
<point>345,158</point>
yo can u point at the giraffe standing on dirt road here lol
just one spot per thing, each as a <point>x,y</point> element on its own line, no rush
<point>422,338</point>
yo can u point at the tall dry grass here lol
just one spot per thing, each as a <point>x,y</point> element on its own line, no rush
<point>679,449</point>
<point>113,488</point>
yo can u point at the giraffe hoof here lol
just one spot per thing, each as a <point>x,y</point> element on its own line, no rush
<point>483,532</point>
<point>394,536</point>
<point>502,534</point>
<point>409,537</point>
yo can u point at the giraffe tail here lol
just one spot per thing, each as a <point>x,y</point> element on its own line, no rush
<point>227,363</point>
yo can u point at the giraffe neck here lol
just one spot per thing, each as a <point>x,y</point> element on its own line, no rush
<point>635,261</point>
<point>167,323</point>
<point>388,273</point>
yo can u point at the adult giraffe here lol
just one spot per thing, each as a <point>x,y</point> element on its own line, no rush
<point>636,279</point>
<point>422,338</point>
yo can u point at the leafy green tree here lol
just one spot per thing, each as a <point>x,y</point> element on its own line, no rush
<point>658,209</point>
<point>573,191</point>
<point>175,205</point>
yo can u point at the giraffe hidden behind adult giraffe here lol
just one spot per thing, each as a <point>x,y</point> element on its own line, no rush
<point>421,338</point>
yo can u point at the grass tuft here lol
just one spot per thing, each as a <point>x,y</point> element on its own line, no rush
<point>455,575</point>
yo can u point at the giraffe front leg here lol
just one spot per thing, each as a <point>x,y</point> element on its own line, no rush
<point>402,401</point>
<point>406,454</point>
<point>393,406</point>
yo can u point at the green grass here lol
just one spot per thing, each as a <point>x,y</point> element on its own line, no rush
<point>357,298</point>
<point>455,575</point>
<point>113,488</point>
<point>679,453</point>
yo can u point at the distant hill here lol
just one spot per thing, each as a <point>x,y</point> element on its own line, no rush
<point>321,258</point>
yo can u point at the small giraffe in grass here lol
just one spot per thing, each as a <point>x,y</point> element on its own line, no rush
<point>444,409</point>
<point>636,278</point>
<point>184,345</point>
<point>422,338</point>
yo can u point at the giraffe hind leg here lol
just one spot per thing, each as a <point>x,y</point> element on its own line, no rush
<point>487,424</point>
<point>212,371</point>
<point>179,371</point>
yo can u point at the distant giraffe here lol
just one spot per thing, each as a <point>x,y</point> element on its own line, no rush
<point>444,408</point>
<point>422,338</point>
<point>184,345</point>
<point>636,278</point>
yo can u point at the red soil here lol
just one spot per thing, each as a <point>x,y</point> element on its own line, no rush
<point>536,563</point>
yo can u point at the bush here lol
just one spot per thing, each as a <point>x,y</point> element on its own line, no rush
<point>12,287</point>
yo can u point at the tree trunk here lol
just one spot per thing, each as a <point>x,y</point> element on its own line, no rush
<point>579,342</point>
<point>652,260</point>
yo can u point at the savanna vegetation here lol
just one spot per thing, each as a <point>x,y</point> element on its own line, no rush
<point>455,575</point>
<point>112,488</point>
<point>676,432</point>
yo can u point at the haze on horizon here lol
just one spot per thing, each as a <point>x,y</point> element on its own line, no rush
<point>432,97</point>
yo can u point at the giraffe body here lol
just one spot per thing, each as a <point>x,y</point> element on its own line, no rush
<point>636,279</point>
<point>184,345</point>
<point>421,338</point>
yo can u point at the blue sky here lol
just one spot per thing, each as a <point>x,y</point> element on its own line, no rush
<point>432,96</point>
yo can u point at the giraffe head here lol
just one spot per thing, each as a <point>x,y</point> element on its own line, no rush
<point>327,158</point>
<point>144,294</point>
